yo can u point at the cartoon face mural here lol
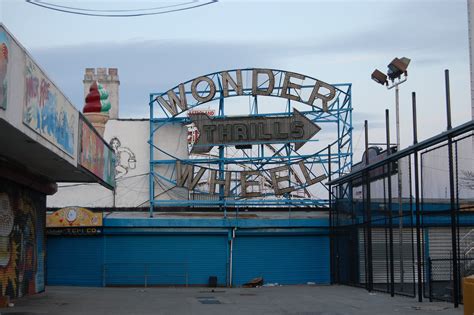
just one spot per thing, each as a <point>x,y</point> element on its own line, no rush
<point>21,240</point>
<point>4,46</point>
<point>125,159</point>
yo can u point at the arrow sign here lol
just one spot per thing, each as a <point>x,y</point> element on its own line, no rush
<point>250,130</point>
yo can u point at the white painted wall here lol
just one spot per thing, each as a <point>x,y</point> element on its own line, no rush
<point>132,186</point>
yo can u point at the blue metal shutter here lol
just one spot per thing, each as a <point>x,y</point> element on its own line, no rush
<point>74,260</point>
<point>281,259</point>
<point>165,259</point>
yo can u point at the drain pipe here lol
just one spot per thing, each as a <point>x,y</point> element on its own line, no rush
<point>231,241</point>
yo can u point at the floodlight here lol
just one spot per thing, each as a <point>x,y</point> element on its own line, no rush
<point>379,77</point>
<point>398,67</point>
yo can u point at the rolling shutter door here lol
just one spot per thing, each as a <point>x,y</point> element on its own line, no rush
<point>281,259</point>
<point>165,259</point>
<point>74,260</point>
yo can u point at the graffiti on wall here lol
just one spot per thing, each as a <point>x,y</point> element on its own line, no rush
<point>95,155</point>
<point>21,240</point>
<point>125,159</point>
<point>47,111</point>
<point>4,46</point>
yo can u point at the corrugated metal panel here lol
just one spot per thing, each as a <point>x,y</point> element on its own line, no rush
<point>440,245</point>
<point>165,259</point>
<point>74,260</point>
<point>281,259</point>
<point>380,256</point>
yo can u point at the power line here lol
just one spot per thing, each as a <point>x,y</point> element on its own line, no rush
<point>121,13</point>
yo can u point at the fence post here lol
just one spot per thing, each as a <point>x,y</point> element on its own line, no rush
<point>417,203</point>
<point>390,214</point>
<point>452,196</point>
<point>430,291</point>
<point>369,213</point>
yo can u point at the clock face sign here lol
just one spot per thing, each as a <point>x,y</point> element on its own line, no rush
<point>71,215</point>
<point>263,148</point>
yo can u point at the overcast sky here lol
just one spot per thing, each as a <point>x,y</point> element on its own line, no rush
<point>334,41</point>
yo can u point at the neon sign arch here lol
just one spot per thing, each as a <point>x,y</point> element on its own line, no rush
<point>263,167</point>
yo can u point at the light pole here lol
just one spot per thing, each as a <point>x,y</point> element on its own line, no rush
<point>396,69</point>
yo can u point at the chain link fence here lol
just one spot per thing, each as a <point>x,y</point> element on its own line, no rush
<point>395,223</point>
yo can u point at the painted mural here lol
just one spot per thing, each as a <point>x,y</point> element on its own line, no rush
<point>47,111</point>
<point>22,242</point>
<point>4,50</point>
<point>125,159</point>
<point>95,155</point>
<point>73,216</point>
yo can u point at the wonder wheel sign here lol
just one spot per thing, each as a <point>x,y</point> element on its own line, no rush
<point>248,138</point>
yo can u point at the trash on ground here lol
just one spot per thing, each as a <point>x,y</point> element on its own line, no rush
<point>254,283</point>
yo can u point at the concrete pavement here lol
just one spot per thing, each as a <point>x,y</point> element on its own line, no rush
<point>264,300</point>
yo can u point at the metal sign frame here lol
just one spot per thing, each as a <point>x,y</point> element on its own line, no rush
<point>328,106</point>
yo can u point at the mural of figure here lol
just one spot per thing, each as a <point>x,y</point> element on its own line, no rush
<point>124,158</point>
<point>3,69</point>
<point>18,255</point>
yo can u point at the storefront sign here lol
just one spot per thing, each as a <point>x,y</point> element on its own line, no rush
<point>74,231</point>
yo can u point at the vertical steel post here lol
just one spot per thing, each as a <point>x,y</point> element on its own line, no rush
<point>151,178</point>
<point>331,223</point>
<point>390,214</point>
<point>417,202</point>
<point>452,196</point>
<point>399,182</point>
<point>222,197</point>
<point>369,212</point>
